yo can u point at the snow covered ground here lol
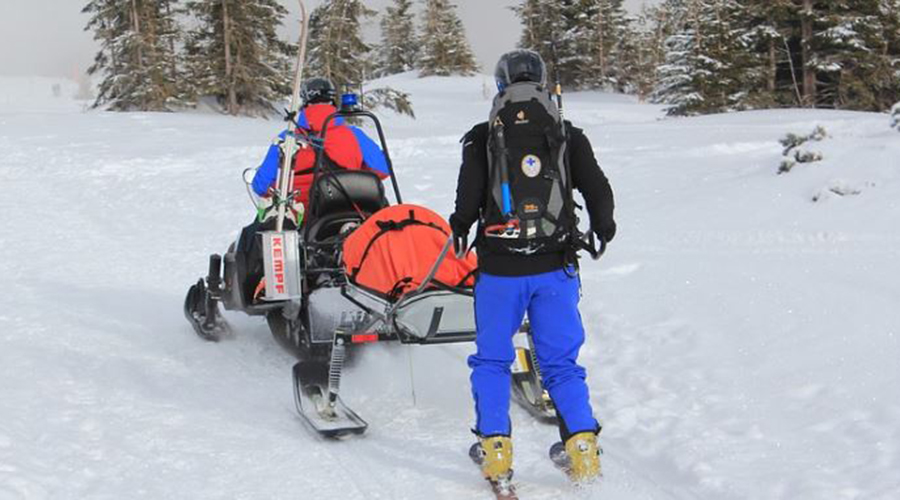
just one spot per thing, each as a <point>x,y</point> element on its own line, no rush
<point>744,340</point>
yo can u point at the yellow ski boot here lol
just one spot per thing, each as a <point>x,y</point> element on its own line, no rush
<point>584,457</point>
<point>496,462</point>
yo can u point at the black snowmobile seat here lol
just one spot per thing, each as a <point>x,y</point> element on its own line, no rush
<point>347,191</point>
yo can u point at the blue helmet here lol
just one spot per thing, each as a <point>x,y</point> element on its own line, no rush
<point>520,66</point>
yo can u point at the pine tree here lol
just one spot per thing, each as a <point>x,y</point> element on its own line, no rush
<point>553,29</point>
<point>850,53</point>
<point>542,26</point>
<point>676,75</point>
<point>137,55</point>
<point>600,30</point>
<point>640,65</point>
<point>706,65</point>
<point>648,34</point>
<point>772,78</point>
<point>398,52</point>
<point>585,43</point>
<point>336,48</point>
<point>337,52</point>
<point>445,49</point>
<point>235,55</point>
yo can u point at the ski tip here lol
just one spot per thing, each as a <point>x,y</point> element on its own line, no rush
<point>504,491</point>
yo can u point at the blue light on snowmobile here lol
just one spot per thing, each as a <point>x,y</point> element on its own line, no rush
<point>349,101</point>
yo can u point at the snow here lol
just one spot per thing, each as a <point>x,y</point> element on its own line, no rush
<point>743,338</point>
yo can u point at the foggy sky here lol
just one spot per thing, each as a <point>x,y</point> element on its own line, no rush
<point>47,37</point>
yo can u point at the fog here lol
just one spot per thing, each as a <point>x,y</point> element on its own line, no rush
<point>47,37</point>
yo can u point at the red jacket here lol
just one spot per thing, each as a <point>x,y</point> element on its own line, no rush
<point>341,147</point>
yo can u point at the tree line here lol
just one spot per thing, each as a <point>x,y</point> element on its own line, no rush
<point>703,56</point>
<point>699,56</point>
<point>163,55</point>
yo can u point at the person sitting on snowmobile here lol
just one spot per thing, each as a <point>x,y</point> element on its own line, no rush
<point>345,146</point>
<point>516,178</point>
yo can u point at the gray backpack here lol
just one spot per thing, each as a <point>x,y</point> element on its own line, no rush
<point>530,209</point>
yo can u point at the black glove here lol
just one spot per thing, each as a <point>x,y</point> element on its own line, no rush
<point>606,231</point>
<point>460,236</point>
<point>460,244</point>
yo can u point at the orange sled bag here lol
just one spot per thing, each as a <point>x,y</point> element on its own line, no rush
<point>393,251</point>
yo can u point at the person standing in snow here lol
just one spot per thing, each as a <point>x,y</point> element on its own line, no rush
<point>516,179</point>
<point>345,147</point>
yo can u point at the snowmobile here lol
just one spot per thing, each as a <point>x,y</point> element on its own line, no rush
<point>318,309</point>
<point>319,305</point>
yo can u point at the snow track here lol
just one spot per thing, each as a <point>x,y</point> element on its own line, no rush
<point>743,338</point>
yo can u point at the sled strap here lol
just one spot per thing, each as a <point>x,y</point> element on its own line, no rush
<point>386,227</point>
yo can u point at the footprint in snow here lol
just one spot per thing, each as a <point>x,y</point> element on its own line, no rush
<point>623,270</point>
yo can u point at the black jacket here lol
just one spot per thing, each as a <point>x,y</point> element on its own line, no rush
<point>473,189</point>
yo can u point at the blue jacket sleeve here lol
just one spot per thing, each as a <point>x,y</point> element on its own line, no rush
<point>268,171</point>
<point>372,155</point>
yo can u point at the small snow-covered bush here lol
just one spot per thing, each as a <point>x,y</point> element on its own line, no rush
<point>795,153</point>
<point>895,117</point>
<point>839,188</point>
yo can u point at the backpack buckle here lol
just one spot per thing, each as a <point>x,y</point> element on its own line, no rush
<point>510,230</point>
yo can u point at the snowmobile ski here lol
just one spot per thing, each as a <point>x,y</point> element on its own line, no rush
<point>202,311</point>
<point>503,489</point>
<point>319,406</point>
<point>528,390</point>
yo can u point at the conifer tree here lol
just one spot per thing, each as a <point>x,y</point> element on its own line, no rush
<point>337,52</point>
<point>850,51</point>
<point>137,54</point>
<point>600,30</point>
<point>398,50</point>
<point>641,62</point>
<point>445,49</point>
<point>706,65</point>
<point>336,48</point>
<point>542,29</point>
<point>556,31</point>
<point>649,33</point>
<point>236,56</point>
<point>772,78</point>
<point>585,43</point>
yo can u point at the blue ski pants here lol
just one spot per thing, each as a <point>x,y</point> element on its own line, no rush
<point>551,301</point>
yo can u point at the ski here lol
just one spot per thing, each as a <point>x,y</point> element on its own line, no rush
<point>290,145</point>
<point>503,489</point>
<point>322,409</point>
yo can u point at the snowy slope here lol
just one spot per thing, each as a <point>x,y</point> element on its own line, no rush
<point>743,338</point>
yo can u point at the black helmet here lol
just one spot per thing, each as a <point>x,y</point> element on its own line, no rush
<point>520,66</point>
<point>317,90</point>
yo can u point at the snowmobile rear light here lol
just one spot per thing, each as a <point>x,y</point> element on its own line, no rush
<point>364,339</point>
